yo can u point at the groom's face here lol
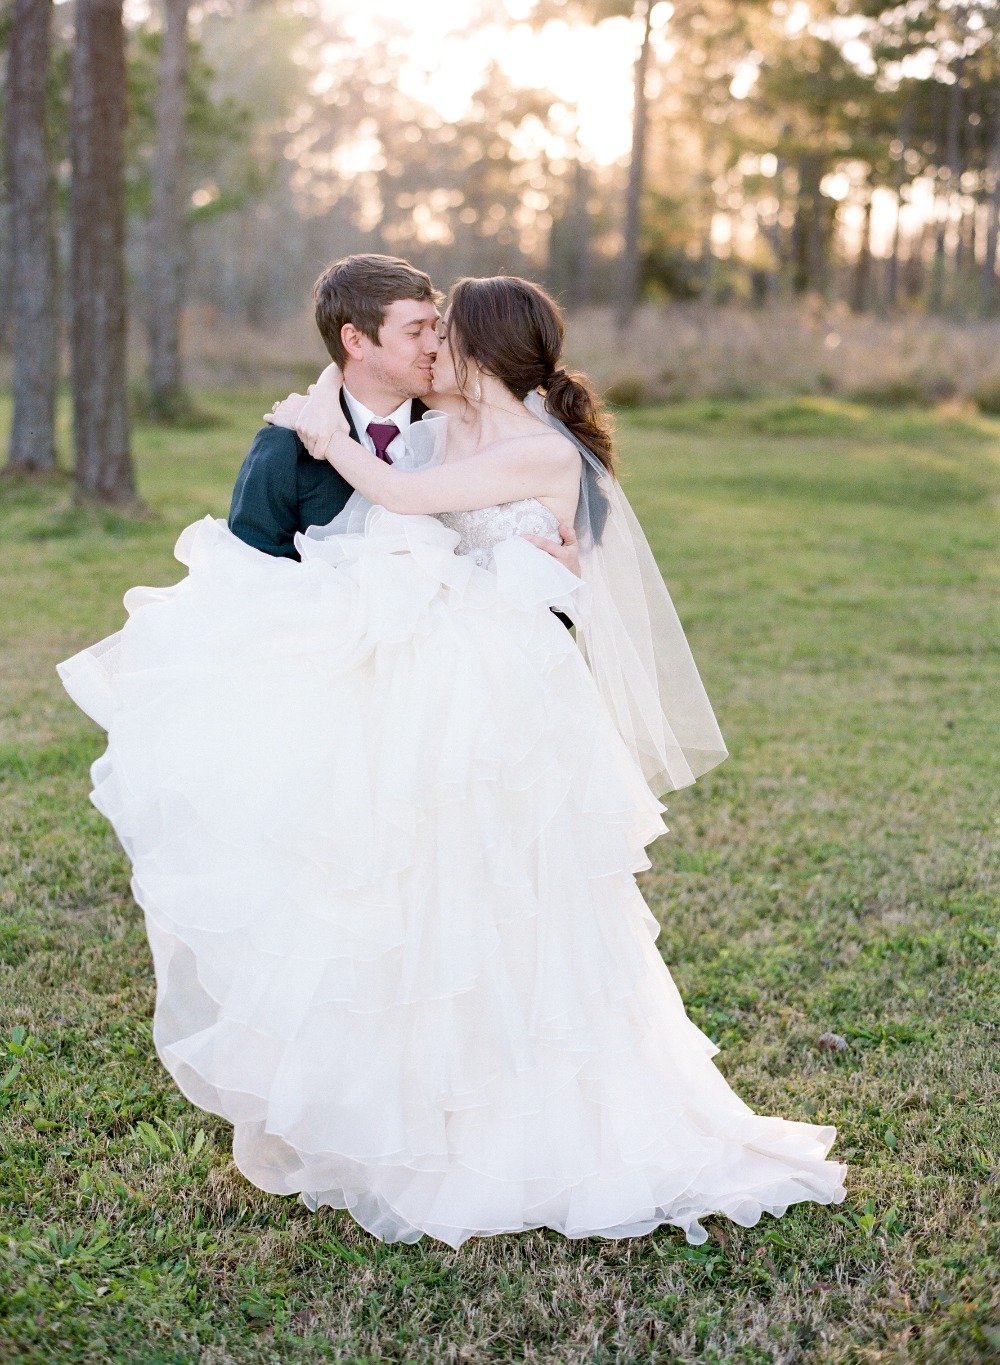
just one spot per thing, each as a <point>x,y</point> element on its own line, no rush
<point>401,361</point>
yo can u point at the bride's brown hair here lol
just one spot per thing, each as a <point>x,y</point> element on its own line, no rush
<point>513,329</point>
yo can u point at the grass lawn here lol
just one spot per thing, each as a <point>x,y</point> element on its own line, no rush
<point>836,569</point>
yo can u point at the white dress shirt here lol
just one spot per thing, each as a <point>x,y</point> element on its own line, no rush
<point>402,418</point>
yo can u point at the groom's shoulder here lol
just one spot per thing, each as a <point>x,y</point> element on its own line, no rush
<point>275,454</point>
<point>276,445</point>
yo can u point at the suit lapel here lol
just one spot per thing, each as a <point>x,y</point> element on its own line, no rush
<point>350,420</point>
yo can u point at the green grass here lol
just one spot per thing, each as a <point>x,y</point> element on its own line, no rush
<point>836,569</point>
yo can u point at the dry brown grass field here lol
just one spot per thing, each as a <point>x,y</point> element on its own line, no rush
<point>679,352</point>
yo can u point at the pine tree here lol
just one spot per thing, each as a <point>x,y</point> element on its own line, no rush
<point>33,265</point>
<point>103,466</point>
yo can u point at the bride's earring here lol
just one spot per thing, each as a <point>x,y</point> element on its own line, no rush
<point>477,391</point>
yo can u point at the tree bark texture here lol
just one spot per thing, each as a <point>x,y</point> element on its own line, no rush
<point>97,229</point>
<point>167,235</point>
<point>34,296</point>
<point>630,264</point>
<point>988,280</point>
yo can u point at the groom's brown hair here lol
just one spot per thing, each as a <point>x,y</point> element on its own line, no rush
<point>358,289</point>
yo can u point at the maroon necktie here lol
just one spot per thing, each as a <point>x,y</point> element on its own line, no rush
<point>383,434</point>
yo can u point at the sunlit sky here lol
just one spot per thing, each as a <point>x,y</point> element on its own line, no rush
<point>449,44</point>
<point>588,68</point>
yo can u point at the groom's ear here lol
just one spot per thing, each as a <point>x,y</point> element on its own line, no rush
<point>351,340</point>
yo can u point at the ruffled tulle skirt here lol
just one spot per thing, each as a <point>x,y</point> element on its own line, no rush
<point>385,837</point>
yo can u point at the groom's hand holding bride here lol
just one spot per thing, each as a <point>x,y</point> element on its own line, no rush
<point>317,416</point>
<point>567,553</point>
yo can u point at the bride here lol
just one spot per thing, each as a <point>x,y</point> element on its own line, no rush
<point>384,814</point>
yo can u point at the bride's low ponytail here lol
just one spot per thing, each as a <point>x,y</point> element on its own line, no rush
<point>571,398</point>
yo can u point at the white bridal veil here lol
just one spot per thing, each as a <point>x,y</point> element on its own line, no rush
<point>631,636</point>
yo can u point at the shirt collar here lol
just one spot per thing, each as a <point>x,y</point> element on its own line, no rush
<point>401,418</point>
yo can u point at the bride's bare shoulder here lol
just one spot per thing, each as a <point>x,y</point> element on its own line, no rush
<point>545,444</point>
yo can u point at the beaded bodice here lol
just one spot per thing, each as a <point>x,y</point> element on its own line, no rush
<point>480,531</point>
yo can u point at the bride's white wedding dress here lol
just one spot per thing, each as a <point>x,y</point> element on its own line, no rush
<point>384,834</point>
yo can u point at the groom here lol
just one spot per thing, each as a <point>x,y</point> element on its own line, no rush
<point>378,318</point>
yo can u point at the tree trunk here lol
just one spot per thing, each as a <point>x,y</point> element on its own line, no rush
<point>916,270</point>
<point>819,234</point>
<point>988,277</point>
<point>938,213</point>
<point>965,257</point>
<point>34,295</point>
<point>773,235</point>
<point>706,263</point>
<point>862,286</point>
<point>809,233</point>
<point>905,134</point>
<point>581,262</point>
<point>799,273</point>
<point>939,256</point>
<point>166,237</point>
<point>97,231</point>
<point>629,295</point>
<point>892,279</point>
<point>956,118</point>
<point>951,196</point>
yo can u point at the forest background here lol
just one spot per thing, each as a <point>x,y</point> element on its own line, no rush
<point>774,230</point>
<point>730,197</point>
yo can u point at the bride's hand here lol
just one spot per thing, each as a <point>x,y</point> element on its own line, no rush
<point>321,416</point>
<point>285,413</point>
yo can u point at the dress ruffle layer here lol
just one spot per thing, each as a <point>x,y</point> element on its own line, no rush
<point>385,837</point>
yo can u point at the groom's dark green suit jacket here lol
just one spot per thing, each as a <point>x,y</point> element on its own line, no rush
<point>281,489</point>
